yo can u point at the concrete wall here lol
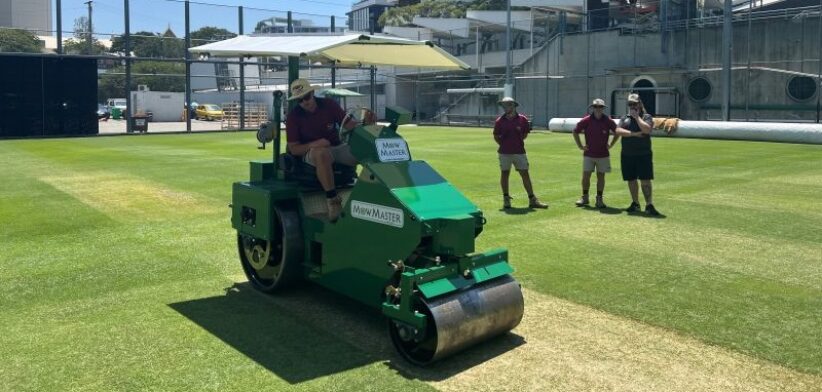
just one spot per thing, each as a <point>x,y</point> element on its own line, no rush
<point>598,65</point>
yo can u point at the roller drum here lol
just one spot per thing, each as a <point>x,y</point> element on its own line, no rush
<point>462,319</point>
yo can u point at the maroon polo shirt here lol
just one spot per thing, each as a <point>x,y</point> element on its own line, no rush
<point>510,133</point>
<point>303,127</point>
<point>596,134</point>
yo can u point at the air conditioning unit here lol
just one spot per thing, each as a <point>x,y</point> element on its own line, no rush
<point>142,87</point>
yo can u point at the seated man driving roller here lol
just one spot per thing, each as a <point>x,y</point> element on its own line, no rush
<point>312,130</point>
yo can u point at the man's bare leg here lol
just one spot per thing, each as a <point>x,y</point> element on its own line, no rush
<point>586,182</point>
<point>526,182</point>
<point>322,163</point>
<point>533,201</point>
<point>503,182</point>
<point>586,185</point>
<point>633,187</point>
<point>646,191</point>
<point>600,203</point>
<point>325,174</point>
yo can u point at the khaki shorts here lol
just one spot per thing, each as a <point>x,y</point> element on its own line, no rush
<point>520,161</point>
<point>602,165</point>
<point>339,154</point>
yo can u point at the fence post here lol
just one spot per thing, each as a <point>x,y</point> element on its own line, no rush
<point>59,15</point>
<point>188,66</point>
<point>127,42</point>
<point>242,72</point>
<point>334,64</point>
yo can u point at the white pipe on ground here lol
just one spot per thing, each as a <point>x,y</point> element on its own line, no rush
<point>735,130</point>
<point>486,90</point>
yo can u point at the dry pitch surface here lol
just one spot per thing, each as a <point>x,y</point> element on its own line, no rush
<point>563,346</point>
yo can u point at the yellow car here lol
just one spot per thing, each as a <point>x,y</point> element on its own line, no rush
<point>209,112</point>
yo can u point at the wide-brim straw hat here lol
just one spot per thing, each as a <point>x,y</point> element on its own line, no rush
<point>508,100</point>
<point>299,88</point>
<point>599,102</point>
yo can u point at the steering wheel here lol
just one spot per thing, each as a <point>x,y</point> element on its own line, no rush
<point>351,114</point>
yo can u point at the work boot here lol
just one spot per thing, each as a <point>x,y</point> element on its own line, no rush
<point>634,207</point>
<point>334,208</point>
<point>650,210</point>
<point>583,201</point>
<point>600,203</point>
<point>533,202</point>
<point>506,202</point>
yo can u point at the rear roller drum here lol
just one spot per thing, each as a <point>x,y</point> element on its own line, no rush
<point>460,320</point>
<point>273,265</point>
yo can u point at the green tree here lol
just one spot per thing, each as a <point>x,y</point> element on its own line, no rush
<point>402,16</point>
<point>82,34</point>
<point>209,34</point>
<point>16,40</point>
<point>148,44</point>
<point>73,46</point>
<point>157,75</point>
<point>82,30</point>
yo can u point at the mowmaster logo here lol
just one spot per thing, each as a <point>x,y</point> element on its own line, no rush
<point>378,214</point>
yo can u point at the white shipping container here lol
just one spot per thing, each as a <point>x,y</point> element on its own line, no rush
<point>165,106</point>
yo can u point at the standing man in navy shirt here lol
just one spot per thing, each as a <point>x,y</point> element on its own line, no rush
<point>510,131</point>
<point>595,155</point>
<point>637,156</point>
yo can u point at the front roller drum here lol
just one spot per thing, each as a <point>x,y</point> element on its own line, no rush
<point>460,320</point>
<point>276,264</point>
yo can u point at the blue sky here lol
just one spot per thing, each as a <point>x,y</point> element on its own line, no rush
<point>157,15</point>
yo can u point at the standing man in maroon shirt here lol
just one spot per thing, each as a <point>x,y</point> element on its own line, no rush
<point>510,131</point>
<point>597,128</point>
<point>312,129</point>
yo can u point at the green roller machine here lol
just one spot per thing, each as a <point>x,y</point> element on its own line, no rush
<point>404,244</point>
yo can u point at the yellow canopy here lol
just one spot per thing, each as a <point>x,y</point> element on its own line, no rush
<point>349,49</point>
<point>413,56</point>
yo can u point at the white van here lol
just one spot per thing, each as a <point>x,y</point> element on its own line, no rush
<point>116,103</point>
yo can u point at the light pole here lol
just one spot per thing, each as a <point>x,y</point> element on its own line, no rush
<point>509,79</point>
<point>90,32</point>
<point>727,47</point>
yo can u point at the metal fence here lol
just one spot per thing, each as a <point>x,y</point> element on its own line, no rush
<point>151,70</point>
<point>673,59</point>
<point>666,50</point>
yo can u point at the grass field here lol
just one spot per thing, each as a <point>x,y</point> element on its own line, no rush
<point>118,271</point>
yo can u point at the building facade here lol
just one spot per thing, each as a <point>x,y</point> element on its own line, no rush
<point>366,13</point>
<point>32,15</point>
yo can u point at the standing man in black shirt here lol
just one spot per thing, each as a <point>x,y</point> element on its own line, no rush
<point>637,157</point>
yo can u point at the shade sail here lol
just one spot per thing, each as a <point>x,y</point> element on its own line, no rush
<point>345,50</point>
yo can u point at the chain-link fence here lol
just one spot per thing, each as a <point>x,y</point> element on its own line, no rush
<point>146,72</point>
<point>668,51</point>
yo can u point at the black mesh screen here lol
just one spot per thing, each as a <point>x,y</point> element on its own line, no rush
<point>47,96</point>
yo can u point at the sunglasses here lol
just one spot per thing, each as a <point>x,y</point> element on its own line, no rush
<point>305,98</point>
<point>598,107</point>
<point>633,105</point>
